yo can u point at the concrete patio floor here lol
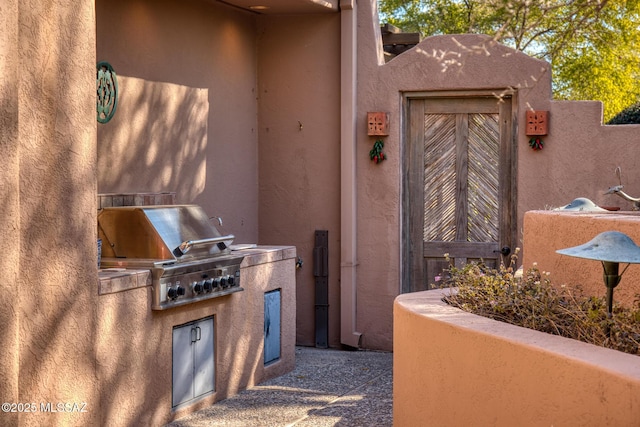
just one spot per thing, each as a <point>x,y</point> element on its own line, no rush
<point>326,388</point>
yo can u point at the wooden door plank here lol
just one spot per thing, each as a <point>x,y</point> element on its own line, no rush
<point>462,159</point>
<point>488,105</point>
<point>416,196</point>
<point>508,168</point>
<point>460,249</point>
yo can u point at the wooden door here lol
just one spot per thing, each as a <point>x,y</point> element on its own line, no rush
<point>459,186</point>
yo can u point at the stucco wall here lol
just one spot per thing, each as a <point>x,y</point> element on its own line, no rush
<point>299,116</point>
<point>195,80</point>
<point>579,160</point>
<point>186,120</point>
<point>47,220</point>
<point>579,157</point>
<point>461,62</point>
<point>10,203</point>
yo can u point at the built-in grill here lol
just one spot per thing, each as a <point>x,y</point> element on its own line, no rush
<point>189,258</point>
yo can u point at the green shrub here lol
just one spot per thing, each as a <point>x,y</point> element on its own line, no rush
<point>532,302</point>
<point>630,115</point>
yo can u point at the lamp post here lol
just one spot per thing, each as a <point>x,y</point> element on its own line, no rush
<point>610,248</point>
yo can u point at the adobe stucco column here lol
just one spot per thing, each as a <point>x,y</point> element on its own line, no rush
<point>9,223</point>
<point>57,280</point>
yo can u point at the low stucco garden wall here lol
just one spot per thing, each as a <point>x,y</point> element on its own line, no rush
<point>453,368</point>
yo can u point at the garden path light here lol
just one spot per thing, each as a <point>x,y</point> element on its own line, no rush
<point>611,248</point>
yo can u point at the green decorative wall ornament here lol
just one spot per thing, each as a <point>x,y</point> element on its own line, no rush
<point>107,91</point>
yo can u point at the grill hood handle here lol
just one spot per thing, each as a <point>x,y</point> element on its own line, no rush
<point>188,244</point>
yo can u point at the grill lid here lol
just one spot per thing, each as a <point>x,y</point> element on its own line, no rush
<point>175,232</point>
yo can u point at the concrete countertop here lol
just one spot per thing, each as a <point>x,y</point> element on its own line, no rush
<point>264,254</point>
<point>111,280</point>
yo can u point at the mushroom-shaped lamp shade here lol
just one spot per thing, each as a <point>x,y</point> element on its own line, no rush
<point>581,204</point>
<point>611,248</point>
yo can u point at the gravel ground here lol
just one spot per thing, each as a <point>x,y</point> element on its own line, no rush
<point>326,388</point>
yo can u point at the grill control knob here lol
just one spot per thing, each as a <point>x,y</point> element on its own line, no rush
<point>198,287</point>
<point>180,290</point>
<point>208,285</point>
<point>172,293</point>
<point>231,280</point>
<point>216,282</point>
<point>224,281</point>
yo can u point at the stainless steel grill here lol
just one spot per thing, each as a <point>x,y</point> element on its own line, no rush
<point>189,258</point>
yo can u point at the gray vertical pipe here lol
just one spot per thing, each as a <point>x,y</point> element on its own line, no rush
<point>348,220</point>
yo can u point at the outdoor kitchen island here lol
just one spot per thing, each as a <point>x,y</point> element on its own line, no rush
<point>212,348</point>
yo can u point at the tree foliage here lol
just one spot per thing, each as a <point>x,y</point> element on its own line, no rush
<point>593,45</point>
<point>630,115</point>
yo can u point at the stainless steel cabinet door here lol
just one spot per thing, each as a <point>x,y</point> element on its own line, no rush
<point>271,326</point>
<point>193,360</point>
<point>204,367</point>
<point>182,365</point>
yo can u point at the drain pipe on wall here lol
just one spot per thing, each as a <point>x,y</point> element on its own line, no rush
<point>348,220</point>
